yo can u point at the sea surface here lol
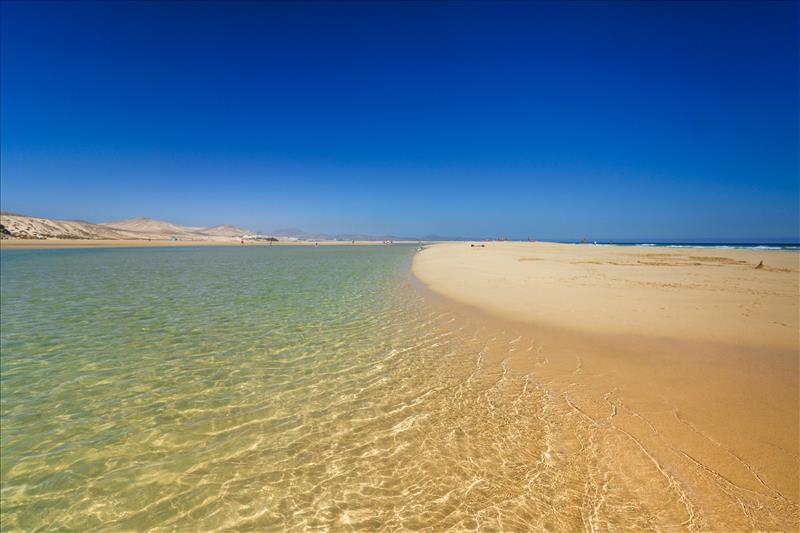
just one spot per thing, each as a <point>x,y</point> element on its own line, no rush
<point>718,245</point>
<point>263,388</point>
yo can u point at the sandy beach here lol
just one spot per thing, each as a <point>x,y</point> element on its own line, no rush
<point>687,293</point>
<point>681,362</point>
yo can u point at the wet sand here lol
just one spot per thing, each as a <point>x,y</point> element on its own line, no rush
<point>675,370</point>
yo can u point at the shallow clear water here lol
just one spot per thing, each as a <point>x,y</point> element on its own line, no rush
<point>289,389</point>
<point>265,388</point>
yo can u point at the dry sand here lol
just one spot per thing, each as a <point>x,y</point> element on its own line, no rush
<point>696,293</point>
<point>681,364</point>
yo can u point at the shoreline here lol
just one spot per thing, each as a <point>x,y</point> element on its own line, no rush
<point>37,244</point>
<point>717,414</point>
<point>130,243</point>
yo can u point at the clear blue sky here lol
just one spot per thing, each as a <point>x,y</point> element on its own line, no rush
<point>606,120</point>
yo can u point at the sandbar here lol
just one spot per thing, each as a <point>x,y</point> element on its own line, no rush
<point>681,364</point>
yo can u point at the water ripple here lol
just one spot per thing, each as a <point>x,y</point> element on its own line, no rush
<point>287,390</point>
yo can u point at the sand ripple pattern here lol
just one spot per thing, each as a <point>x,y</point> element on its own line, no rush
<point>290,390</point>
<point>226,390</point>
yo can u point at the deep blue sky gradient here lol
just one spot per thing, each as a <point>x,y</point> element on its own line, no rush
<point>605,120</point>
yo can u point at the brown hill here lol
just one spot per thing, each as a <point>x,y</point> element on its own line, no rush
<point>14,226</point>
<point>149,225</point>
<point>24,227</point>
<point>225,231</point>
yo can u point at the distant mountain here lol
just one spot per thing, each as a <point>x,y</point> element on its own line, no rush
<point>225,231</point>
<point>24,227</point>
<point>352,237</point>
<point>148,225</point>
<point>163,228</point>
<point>14,226</point>
<point>300,234</point>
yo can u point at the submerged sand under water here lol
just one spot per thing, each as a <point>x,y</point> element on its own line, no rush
<point>645,445</point>
<point>303,389</point>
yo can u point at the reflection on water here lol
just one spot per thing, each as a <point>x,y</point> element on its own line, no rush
<point>287,388</point>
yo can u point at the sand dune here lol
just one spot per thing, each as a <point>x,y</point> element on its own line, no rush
<point>163,228</point>
<point>24,227</point>
<point>149,225</point>
<point>19,227</point>
<point>224,231</point>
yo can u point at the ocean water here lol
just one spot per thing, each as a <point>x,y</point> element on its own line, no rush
<point>712,245</point>
<point>718,245</point>
<point>260,388</point>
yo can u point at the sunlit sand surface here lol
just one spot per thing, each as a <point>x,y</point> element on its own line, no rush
<point>293,389</point>
<point>699,397</point>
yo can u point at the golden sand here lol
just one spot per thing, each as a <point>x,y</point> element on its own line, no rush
<point>681,364</point>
